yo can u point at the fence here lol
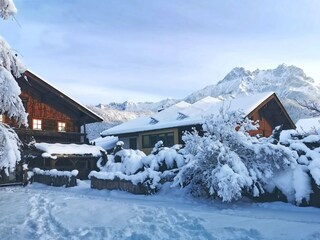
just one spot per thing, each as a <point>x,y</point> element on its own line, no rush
<point>55,178</point>
<point>123,185</point>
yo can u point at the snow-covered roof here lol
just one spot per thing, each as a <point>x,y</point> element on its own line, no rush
<point>245,103</point>
<point>170,113</point>
<point>308,124</point>
<point>106,143</point>
<point>183,114</point>
<point>199,107</point>
<point>54,149</point>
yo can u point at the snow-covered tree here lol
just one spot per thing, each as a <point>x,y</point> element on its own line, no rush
<point>226,161</point>
<point>313,107</point>
<point>10,104</point>
<point>7,9</point>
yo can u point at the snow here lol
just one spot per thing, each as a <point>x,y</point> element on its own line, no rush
<point>44,212</point>
<point>135,166</point>
<point>135,179</point>
<point>314,168</point>
<point>112,117</point>
<point>301,183</point>
<point>170,114</point>
<point>55,172</point>
<point>308,125</point>
<point>308,159</point>
<point>130,162</point>
<point>7,9</point>
<point>11,68</point>
<point>106,143</point>
<point>290,84</point>
<point>192,114</point>
<point>199,107</point>
<point>53,149</point>
<point>11,105</point>
<point>9,149</point>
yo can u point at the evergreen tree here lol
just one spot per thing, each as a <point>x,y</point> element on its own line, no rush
<point>10,104</point>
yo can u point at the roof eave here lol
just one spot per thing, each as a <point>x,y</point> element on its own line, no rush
<point>90,115</point>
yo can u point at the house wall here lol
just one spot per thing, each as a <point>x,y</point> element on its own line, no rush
<point>44,105</point>
<point>265,128</point>
<point>49,115</point>
<point>270,115</point>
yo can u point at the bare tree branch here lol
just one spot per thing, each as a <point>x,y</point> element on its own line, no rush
<point>311,106</point>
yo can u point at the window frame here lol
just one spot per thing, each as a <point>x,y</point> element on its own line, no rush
<point>149,140</point>
<point>36,122</point>
<point>60,125</point>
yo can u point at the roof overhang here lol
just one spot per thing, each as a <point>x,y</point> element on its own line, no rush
<point>85,114</point>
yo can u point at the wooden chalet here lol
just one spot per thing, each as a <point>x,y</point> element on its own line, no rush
<point>170,124</point>
<point>53,117</point>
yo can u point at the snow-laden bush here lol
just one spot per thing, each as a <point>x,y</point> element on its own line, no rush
<point>164,158</point>
<point>227,162</point>
<point>305,177</point>
<point>10,103</point>
<point>130,162</point>
<point>135,166</point>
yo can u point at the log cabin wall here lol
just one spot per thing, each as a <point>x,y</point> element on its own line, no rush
<point>265,128</point>
<point>270,114</point>
<point>46,103</point>
<point>50,112</point>
<point>49,115</point>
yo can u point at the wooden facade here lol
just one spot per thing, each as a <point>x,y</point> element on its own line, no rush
<point>53,117</point>
<point>270,113</point>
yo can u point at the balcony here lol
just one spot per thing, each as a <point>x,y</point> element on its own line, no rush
<point>27,135</point>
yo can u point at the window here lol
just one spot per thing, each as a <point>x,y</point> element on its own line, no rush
<point>61,126</point>
<point>148,141</point>
<point>1,118</point>
<point>37,124</point>
<point>133,143</point>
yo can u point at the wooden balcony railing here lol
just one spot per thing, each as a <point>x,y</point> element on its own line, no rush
<point>27,135</point>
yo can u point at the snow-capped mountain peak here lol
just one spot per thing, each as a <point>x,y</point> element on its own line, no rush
<point>290,83</point>
<point>237,72</point>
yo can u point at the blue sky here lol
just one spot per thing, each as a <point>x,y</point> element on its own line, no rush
<point>141,50</point>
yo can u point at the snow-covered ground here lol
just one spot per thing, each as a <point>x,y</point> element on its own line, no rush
<point>43,212</point>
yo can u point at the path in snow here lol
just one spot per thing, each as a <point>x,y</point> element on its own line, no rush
<point>41,212</point>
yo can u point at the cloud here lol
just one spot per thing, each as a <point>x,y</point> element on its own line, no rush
<point>156,48</point>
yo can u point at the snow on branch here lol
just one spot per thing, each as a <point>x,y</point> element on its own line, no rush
<point>311,106</point>
<point>7,9</point>
<point>11,68</point>
<point>227,162</point>
<point>9,145</point>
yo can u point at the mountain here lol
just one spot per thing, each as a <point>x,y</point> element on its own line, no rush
<point>142,106</point>
<point>290,83</point>
<point>116,113</point>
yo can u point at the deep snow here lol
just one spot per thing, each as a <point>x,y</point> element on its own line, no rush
<point>43,212</point>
